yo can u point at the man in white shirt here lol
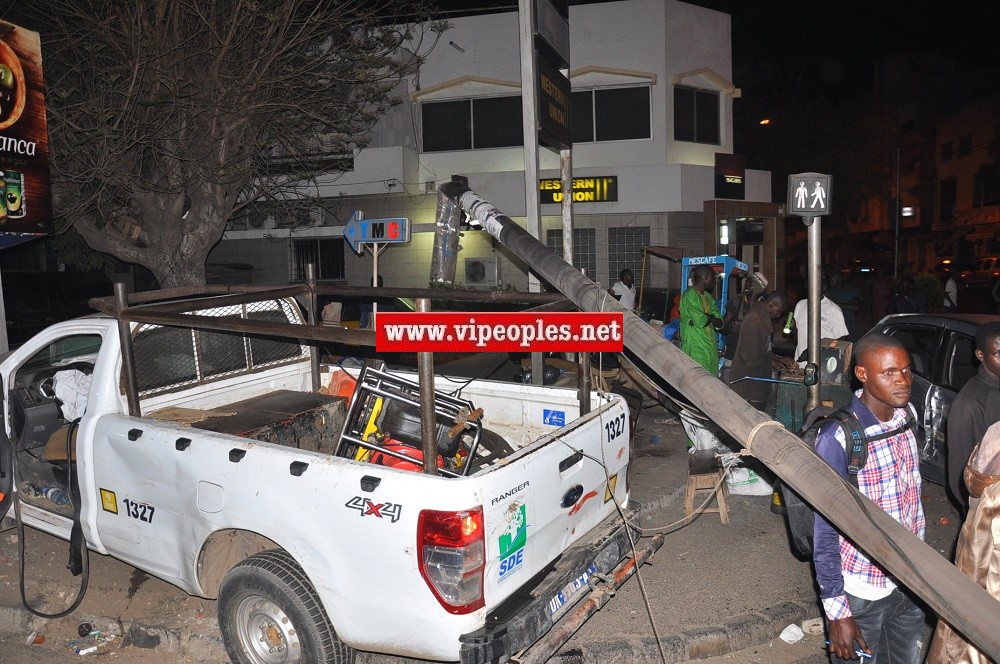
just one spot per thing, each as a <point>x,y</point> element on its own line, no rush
<point>832,325</point>
<point>624,290</point>
<point>950,294</point>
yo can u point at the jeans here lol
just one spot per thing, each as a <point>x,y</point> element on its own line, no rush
<point>891,627</point>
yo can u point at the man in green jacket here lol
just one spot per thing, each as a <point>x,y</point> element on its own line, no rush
<point>701,320</point>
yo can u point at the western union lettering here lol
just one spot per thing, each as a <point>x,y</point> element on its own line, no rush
<point>553,91</point>
<point>558,115</point>
<point>585,190</point>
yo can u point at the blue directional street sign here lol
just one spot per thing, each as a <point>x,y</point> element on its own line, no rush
<point>395,230</point>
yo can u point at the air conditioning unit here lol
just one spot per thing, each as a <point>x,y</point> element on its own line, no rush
<point>481,272</point>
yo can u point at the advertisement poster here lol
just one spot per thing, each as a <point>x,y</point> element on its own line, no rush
<point>26,205</point>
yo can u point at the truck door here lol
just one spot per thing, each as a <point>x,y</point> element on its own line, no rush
<point>6,468</point>
<point>47,385</point>
<point>149,481</point>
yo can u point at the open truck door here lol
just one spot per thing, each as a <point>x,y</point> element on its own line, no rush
<point>6,468</point>
<point>6,477</point>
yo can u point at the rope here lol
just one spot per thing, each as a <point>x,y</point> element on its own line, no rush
<point>756,430</point>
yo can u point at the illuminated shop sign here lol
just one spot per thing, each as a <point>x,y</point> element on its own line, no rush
<point>25,203</point>
<point>585,190</point>
<point>730,172</point>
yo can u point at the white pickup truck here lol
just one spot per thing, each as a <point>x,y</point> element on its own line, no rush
<point>299,510</point>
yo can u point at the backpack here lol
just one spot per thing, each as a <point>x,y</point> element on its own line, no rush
<point>799,516</point>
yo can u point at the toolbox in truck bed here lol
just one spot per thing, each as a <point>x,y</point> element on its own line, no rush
<point>303,420</point>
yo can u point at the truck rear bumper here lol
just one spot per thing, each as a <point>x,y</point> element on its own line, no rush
<point>531,612</point>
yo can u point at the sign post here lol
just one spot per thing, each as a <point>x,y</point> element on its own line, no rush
<point>359,233</point>
<point>809,197</point>
<point>25,200</point>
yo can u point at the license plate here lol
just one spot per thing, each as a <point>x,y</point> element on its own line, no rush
<point>562,598</point>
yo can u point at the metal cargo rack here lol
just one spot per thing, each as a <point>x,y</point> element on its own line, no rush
<point>175,307</point>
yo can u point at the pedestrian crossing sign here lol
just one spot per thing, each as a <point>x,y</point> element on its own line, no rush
<point>809,194</point>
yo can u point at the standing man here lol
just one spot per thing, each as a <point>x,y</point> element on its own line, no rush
<point>950,294</point>
<point>975,408</point>
<point>624,289</point>
<point>739,306</point>
<point>846,295</point>
<point>753,357</point>
<point>701,320</point>
<point>832,325</point>
<point>865,610</point>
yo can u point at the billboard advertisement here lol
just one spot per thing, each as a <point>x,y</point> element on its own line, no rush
<point>25,204</point>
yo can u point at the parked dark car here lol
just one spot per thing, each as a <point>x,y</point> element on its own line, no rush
<point>942,350</point>
<point>34,300</point>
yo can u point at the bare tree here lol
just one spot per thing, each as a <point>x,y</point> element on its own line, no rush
<point>167,116</point>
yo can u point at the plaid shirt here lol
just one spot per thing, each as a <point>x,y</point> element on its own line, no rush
<point>891,479</point>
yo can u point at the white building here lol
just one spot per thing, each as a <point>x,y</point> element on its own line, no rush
<point>652,105</point>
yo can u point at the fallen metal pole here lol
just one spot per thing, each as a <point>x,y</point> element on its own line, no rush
<point>954,596</point>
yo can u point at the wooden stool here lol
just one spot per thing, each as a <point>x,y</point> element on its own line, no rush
<point>704,474</point>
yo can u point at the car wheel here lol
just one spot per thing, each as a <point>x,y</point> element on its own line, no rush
<point>269,613</point>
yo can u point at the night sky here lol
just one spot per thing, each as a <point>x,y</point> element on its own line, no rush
<point>795,60</point>
<point>852,31</point>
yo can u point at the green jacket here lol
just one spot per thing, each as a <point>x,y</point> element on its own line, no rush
<point>698,340</point>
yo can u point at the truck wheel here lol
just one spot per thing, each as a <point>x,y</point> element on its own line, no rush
<point>269,613</point>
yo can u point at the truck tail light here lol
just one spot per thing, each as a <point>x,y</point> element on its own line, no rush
<point>452,557</point>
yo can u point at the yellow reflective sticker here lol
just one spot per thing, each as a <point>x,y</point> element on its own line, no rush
<point>609,490</point>
<point>108,501</point>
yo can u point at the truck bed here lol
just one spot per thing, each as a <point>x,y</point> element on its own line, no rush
<point>304,420</point>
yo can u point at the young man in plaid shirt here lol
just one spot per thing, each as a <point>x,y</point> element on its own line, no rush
<point>865,609</point>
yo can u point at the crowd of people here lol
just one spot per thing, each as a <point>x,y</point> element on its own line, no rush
<point>868,613</point>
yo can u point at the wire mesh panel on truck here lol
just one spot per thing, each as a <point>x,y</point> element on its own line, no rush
<point>170,358</point>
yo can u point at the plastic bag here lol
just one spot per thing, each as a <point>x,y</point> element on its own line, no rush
<point>746,482</point>
<point>700,434</point>
<point>671,329</point>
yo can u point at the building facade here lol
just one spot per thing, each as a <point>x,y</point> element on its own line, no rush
<point>652,106</point>
<point>946,171</point>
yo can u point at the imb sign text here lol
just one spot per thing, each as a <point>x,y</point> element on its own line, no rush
<point>387,231</point>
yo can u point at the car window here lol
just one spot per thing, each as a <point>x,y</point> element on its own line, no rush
<point>920,341</point>
<point>74,348</point>
<point>960,362</point>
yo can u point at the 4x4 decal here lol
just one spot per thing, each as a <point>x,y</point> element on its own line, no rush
<point>381,510</point>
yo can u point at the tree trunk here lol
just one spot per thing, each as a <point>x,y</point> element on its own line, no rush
<point>178,275</point>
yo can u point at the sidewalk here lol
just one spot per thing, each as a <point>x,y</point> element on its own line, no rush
<point>711,588</point>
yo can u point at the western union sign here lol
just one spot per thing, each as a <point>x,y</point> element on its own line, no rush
<point>585,190</point>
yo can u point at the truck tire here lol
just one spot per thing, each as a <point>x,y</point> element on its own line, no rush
<point>269,613</point>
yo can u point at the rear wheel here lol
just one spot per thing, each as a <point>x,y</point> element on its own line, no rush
<point>269,613</point>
